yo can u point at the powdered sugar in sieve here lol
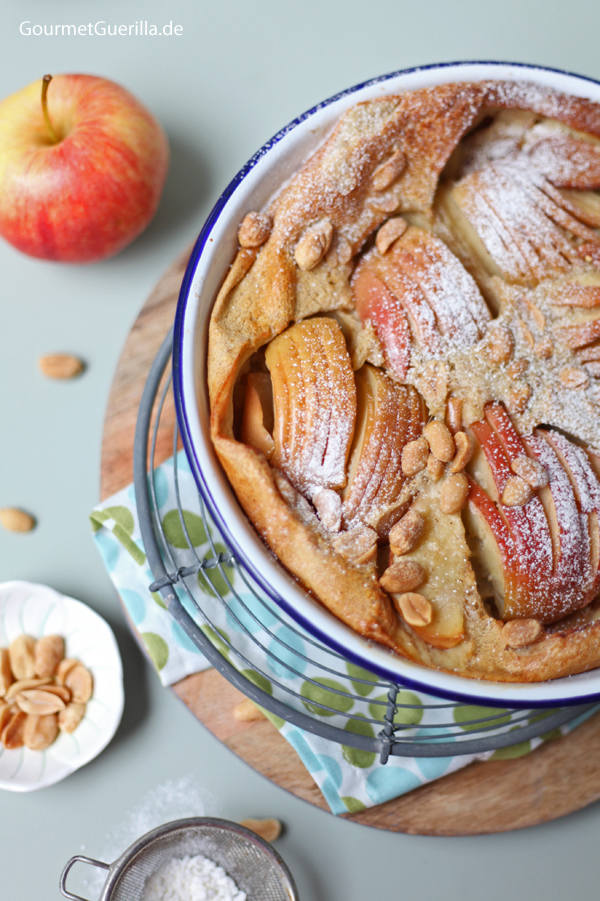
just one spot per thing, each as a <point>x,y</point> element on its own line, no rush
<point>191,879</point>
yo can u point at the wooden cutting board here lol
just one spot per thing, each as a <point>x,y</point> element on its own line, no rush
<point>557,779</point>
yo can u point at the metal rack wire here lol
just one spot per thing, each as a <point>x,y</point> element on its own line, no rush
<point>266,640</point>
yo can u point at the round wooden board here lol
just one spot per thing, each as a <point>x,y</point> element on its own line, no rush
<point>558,778</point>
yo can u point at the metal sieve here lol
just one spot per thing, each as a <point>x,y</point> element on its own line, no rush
<point>252,863</point>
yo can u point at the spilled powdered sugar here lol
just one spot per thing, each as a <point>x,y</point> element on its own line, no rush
<point>173,800</point>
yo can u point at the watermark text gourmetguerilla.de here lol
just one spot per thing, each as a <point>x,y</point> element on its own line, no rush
<point>140,28</point>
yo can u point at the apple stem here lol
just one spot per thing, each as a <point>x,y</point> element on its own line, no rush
<point>45,83</point>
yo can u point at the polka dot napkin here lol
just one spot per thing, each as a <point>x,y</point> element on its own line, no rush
<point>350,779</point>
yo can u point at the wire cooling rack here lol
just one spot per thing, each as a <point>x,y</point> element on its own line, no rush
<point>309,690</point>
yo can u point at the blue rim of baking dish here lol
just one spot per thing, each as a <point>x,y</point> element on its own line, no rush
<point>182,417</point>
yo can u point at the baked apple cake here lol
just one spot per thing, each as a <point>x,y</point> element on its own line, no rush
<point>404,375</point>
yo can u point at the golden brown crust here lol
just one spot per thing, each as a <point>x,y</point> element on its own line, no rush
<point>266,290</point>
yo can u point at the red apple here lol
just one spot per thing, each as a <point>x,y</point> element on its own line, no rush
<point>80,184</point>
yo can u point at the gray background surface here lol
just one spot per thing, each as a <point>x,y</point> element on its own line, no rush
<point>238,73</point>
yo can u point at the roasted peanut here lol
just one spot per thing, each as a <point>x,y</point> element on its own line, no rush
<point>389,232</point>
<point>60,366</point>
<point>435,468</point>
<point>6,676</point>
<point>248,712</point>
<point>414,456</point>
<point>357,545</point>
<point>414,608</point>
<point>387,173</point>
<point>454,493</point>
<point>254,230</point>
<point>517,368</point>
<point>22,657</point>
<point>24,685</point>
<point>405,535</point>
<point>500,345</point>
<point>64,668</point>
<point>61,691</point>
<point>465,448</point>
<point>518,633</point>
<point>269,829</point>
<point>343,249</point>
<point>15,520</point>
<point>7,711</point>
<point>543,348</point>
<point>70,717</point>
<point>314,244</point>
<point>454,414</point>
<point>516,492</point>
<point>49,651</point>
<point>440,440</point>
<point>573,377</point>
<point>38,702</point>
<point>80,683</point>
<point>384,203</point>
<point>12,734</point>
<point>530,470</point>
<point>404,575</point>
<point>40,731</point>
<point>518,396</point>
<point>433,383</point>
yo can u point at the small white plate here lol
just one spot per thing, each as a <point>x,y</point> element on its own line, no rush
<point>37,610</point>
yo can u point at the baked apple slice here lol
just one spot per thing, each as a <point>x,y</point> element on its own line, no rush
<point>550,535</point>
<point>389,416</point>
<point>527,526</point>
<point>520,218</point>
<point>314,404</point>
<point>493,549</point>
<point>527,523</point>
<point>572,558</point>
<point>586,487</point>
<point>567,161</point>
<point>257,419</point>
<point>419,291</point>
<point>460,311</point>
<point>376,303</point>
<point>576,501</point>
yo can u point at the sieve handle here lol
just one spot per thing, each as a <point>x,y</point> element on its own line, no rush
<point>65,873</point>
